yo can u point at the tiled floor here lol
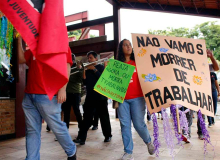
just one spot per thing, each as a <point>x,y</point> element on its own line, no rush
<point>96,149</point>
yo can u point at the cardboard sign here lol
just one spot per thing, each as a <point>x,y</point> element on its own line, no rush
<point>173,70</point>
<point>113,82</point>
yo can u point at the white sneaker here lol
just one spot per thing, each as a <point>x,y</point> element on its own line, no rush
<point>151,148</point>
<point>127,156</point>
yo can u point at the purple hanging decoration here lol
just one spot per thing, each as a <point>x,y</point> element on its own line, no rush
<point>204,132</point>
<point>178,106</point>
<point>184,122</point>
<point>156,135</point>
<point>174,116</point>
<point>168,135</point>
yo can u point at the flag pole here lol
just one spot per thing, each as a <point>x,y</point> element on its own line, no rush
<point>178,119</point>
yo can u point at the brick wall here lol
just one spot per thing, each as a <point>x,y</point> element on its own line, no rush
<point>7,117</point>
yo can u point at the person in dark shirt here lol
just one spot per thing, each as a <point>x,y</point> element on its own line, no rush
<point>94,101</point>
<point>73,92</point>
<point>215,94</point>
<point>212,67</point>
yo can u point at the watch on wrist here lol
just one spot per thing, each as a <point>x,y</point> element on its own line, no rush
<point>95,70</point>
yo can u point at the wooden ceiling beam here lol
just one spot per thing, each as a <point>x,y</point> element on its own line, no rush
<point>158,2</point>
<point>218,3</point>
<point>90,23</point>
<point>99,47</point>
<point>204,6</point>
<point>194,4</point>
<point>181,9</point>
<point>149,4</point>
<point>183,6</point>
<point>118,2</point>
<point>129,3</point>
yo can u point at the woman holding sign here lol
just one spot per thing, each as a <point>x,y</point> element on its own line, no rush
<point>133,108</point>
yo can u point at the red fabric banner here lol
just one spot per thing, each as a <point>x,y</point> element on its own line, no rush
<point>46,35</point>
<point>24,18</point>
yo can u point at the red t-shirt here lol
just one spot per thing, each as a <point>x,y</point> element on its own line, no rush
<point>34,79</point>
<point>134,88</point>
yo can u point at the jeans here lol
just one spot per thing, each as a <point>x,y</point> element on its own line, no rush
<point>133,110</point>
<point>37,107</point>
<point>73,99</point>
<point>215,100</point>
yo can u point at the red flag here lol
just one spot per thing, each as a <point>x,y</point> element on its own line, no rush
<point>53,46</point>
<point>49,44</point>
<point>24,18</point>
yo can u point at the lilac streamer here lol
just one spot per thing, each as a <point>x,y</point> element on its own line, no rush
<point>187,110</point>
<point>168,135</point>
<point>156,135</point>
<point>204,132</point>
<point>184,122</point>
<point>173,112</point>
<point>178,105</point>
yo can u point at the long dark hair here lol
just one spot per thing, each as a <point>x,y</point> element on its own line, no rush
<point>120,54</point>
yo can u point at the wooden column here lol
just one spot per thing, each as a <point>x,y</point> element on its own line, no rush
<point>117,35</point>
<point>116,24</point>
<point>20,86</point>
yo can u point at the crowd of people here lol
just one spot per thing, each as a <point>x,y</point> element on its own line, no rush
<point>37,106</point>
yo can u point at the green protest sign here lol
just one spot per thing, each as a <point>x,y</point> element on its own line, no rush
<point>113,82</point>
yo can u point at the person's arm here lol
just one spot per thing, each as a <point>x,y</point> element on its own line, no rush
<point>21,58</point>
<point>217,87</point>
<point>105,63</point>
<point>84,74</point>
<point>98,71</point>
<point>61,96</point>
<point>214,62</point>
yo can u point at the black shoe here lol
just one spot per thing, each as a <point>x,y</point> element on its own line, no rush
<point>72,158</point>
<point>108,139</point>
<point>48,128</point>
<point>94,127</point>
<point>79,141</point>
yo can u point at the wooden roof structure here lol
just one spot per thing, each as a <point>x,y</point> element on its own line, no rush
<point>208,8</point>
<point>198,7</point>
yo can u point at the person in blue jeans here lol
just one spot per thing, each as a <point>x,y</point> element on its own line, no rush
<point>133,108</point>
<point>212,67</point>
<point>37,106</point>
<point>215,94</point>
